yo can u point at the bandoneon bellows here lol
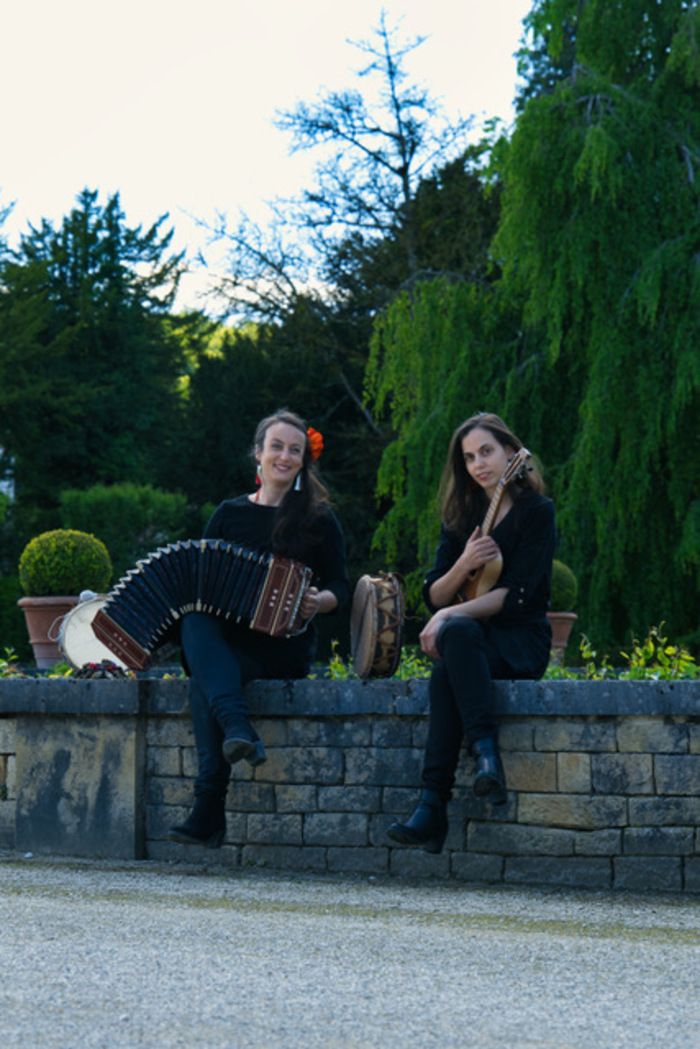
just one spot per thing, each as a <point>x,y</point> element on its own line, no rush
<point>259,590</point>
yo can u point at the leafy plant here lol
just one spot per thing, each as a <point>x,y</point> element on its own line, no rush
<point>564,588</point>
<point>64,561</point>
<point>653,659</point>
<point>9,664</point>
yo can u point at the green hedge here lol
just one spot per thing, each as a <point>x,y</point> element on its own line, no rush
<point>131,519</point>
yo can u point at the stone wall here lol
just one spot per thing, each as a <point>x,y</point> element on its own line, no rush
<point>603,777</point>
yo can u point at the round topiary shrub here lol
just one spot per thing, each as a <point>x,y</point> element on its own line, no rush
<point>64,561</point>
<point>564,588</point>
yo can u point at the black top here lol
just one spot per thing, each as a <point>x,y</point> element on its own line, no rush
<point>251,524</point>
<point>526,537</point>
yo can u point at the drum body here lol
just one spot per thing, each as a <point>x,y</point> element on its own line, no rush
<point>376,625</point>
<point>77,640</point>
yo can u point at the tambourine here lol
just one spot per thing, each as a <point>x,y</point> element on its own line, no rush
<point>76,638</point>
<point>376,625</point>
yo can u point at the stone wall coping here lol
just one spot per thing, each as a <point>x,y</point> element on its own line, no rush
<point>319,697</point>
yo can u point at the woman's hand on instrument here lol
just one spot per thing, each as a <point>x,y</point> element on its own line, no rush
<point>478,550</point>
<point>311,603</point>
<point>429,634</point>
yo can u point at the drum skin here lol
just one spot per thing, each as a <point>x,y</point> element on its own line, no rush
<point>76,639</point>
<point>376,625</point>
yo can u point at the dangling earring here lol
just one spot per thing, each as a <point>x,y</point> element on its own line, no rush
<point>258,475</point>
<point>297,482</point>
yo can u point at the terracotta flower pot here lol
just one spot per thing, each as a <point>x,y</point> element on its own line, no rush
<point>562,624</point>
<point>43,617</point>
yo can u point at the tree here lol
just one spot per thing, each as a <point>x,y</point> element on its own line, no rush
<point>88,368</point>
<point>593,327</point>
<point>600,235</point>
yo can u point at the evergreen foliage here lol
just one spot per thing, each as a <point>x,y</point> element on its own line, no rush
<point>87,364</point>
<point>132,520</point>
<point>64,561</point>
<point>588,343</point>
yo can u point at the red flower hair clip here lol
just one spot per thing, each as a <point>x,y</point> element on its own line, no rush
<point>315,443</point>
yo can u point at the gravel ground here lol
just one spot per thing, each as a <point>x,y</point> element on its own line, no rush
<point>99,955</point>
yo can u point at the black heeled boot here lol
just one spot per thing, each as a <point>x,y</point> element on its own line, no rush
<point>490,777</point>
<point>241,741</point>
<point>205,825</point>
<point>426,826</point>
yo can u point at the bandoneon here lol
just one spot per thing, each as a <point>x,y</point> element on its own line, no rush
<point>259,590</point>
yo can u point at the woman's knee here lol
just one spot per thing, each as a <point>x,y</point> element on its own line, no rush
<point>198,626</point>
<point>461,630</point>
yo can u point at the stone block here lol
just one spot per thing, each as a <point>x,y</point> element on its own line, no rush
<point>648,873</point>
<point>241,772</point>
<point>335,828</point>
<point>392,732</point>
<point>169,732</point>
<point>677,774</point>
<point>274,731</point>
<point>691,877</point>
<point>658,841</point>
<point>80,786</point>
<point>664,812</point>
<point>334,732</point>
<point>173,791</point>
<point>580,812</point>
<point>416,863</point>
<point>11,776</point>
<point>622,774</point>
<point>378,825</point>
<point>160,818</point>
<point>652,736</point>
<point>358,861</point>
<point>188,760</point>
<point>482,809</point>
<point>274,829</point>
<point>163,761</point>
<point>419,733</point>
<point>313,765</point>
<point>7,824</point>
<point>694,738</point>
<point>284,857</point>
<point>296,799</point>
<point>597,842</point>
<point>585,734</point>
<point>479,867</point>
<point>515,839</point>
<point>456,840</point>
<point>8,728</point>
<point>302,732</point>
<point>574,773</point>
<point>349,799</point>
<point>516,735</point>
<point>570,871</point>
<point>251,797</point>
<point>383,766</point>
<point>530,772</point>
<point>399,800</point>
<point>172,851</point>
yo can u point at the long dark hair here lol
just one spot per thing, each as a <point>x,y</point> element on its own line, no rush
<point>300,513</point>
<point>462,500</point>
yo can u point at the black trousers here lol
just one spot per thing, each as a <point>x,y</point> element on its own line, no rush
<point>461,698</point>
<point>219,671</point>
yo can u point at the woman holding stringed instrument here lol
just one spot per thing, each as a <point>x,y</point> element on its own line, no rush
<point>287,515</point>
<point>489,592</point>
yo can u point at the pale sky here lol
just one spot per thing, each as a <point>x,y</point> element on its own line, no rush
<point>172,102</point>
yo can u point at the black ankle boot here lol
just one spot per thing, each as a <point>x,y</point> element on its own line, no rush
<point>205,825</point>
<point>426,826</point>
<point>242,742</point>
<point>490,778</point>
